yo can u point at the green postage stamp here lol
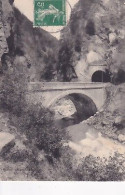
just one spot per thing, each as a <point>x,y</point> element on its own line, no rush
<point>49,12</point>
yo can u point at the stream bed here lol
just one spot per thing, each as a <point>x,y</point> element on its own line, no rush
<point>86,140</point>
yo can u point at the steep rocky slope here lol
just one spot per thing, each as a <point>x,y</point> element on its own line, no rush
<point>33,47</point>
<point>3,45</point>
<point>94,35</point>
<point>111,122</point>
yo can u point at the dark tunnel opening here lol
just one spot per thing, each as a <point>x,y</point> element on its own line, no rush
<point>85,108</point>
<point>90,28</point>
<point>3,63</point>
<point>101,76</point>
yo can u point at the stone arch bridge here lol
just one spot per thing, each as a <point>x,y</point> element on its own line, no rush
<point>48,93</point>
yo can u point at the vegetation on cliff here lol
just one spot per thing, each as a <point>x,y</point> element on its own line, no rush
<point>36,48</point>
<point>95,34</point>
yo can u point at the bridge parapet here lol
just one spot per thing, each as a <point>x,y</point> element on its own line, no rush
<point>44,86</point>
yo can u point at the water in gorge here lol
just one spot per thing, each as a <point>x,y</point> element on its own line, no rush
<point>84,139</point>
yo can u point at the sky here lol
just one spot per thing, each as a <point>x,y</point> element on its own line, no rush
<point>26,7</point>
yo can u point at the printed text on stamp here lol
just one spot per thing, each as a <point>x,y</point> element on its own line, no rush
<point>49,12</point>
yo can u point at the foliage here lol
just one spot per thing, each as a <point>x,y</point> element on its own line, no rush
<point>90,168</point>
<point>13,88</point>
<point>36,122</point>
<point>97,169</point>
<point>50,60</point>
<point>38,125</point>
<point>65,61</point>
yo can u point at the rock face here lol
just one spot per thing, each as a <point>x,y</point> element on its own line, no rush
<point>3,42</point>
<point>64,108</point>
<point>95,36</point>
<point>6,142</point>
<point>33,47</point>
<point>121,138</point>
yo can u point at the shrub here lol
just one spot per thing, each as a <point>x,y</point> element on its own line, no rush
<point>38,125</point>
<point>91,168</point>
<point>65,164</point>
<point>13,87</point>
<point>36,122</point>
<point>97,169</point>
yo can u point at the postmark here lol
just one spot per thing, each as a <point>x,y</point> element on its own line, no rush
<point>49,12</point>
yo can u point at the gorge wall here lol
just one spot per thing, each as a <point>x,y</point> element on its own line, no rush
<point>95,35</point>
<point>35,48</point>
<point>3,42</point>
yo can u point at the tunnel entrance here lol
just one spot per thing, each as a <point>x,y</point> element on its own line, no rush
<point>4,59</point>
<point>80,107</point>
<point>101,76</point>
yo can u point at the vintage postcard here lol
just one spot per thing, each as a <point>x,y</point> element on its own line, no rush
<point>62,89</point>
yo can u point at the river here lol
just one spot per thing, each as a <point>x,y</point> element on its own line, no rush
<point>85,139</point>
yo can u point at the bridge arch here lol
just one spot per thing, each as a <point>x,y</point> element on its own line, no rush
<point>84,105</point>
<point>87,93</point>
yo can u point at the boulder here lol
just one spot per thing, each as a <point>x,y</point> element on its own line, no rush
<point>112,37</point>
<point>118,120</point>
<point>121,138</point>
<point>7,141</point>
<point>105,122</point>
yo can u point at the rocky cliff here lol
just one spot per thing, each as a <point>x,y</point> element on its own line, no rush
<point>35,48</point>
<point>3,42</point>
<point>95,35</point>
<point>3,45</point>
